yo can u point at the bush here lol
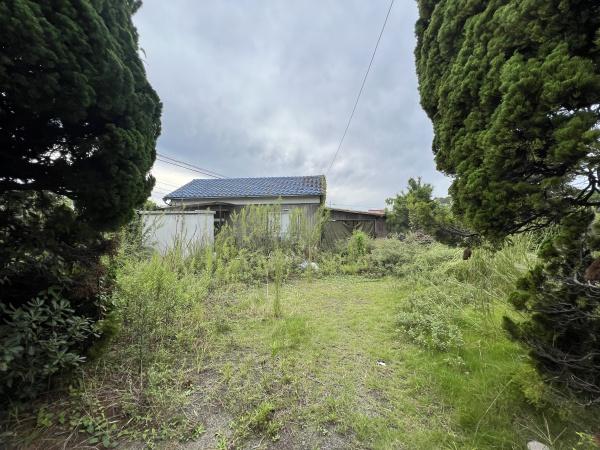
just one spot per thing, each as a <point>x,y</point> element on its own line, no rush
<point>244,247</point>
<point>39,340</point>
<point>388,255</point>
<point>50,268</point>
<point>407,257</point>
<point>330,263</point>
<point>160,304</point>
<point>446,286</point>
<point>560,304</point>
<point>145,376</point>
<point>358,245</point>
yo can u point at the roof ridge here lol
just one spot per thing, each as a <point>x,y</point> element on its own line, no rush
<point>258,178</point>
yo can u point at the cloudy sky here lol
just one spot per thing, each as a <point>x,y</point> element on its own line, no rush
<point>265,88</point>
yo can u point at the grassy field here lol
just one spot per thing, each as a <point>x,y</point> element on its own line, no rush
<point>331,372</point>
<point>335,372</point>
<point>417,360</point>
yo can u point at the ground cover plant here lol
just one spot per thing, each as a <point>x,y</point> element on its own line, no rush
<point>398,345</point>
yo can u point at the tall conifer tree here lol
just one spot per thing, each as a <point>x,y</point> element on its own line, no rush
<point>77,115</point>
<point>513,90</point>
<point>78,129</point>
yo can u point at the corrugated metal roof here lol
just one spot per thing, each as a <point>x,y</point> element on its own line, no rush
<point>250,188</point>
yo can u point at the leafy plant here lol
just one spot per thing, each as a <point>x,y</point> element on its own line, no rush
<point>39,340</point>
<point>417,210</point>
<point>358,245</point>
<point>430,321</point>
<point>78,128</point>
<point>160,302</point>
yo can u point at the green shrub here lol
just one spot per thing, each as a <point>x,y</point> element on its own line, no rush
<point>559,306</point>
<point>407,257</point>
<point>39,339</point>
<point>244,247</point>
<point>358,245</point>
<point>160,301</point>
<point>50,268</point>
<point>496,272</point>
<point>447,286</point>
<point>388,255</point>
<point>330,263</point>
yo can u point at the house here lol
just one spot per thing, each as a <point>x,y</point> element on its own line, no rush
<point>226,195</point>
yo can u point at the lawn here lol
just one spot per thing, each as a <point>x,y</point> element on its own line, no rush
<point>332,372</point>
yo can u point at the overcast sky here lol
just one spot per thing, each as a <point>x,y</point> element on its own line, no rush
<point>265,88</point>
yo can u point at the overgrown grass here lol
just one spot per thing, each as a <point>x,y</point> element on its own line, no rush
<point>494,397</point>
<point>390,344</point>
<point>140,388</point>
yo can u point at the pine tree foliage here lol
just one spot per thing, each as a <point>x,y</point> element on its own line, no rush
<point>78,129</point>
<point>513,90</point>
<point>77,114</point>
<point>563,329</point>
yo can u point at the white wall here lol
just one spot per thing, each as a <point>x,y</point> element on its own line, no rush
<point>162,229</point>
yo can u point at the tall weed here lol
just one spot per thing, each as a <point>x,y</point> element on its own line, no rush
<point>278,263</point>
<point>160,303</point>
<point>245,246</point>
<point>446,286</point>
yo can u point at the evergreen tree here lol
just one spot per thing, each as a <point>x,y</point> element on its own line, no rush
<point>417,210</point>
<point>513,90</point>
<point>563,329</point>
<point>77,114</point>
<point>78,129</point>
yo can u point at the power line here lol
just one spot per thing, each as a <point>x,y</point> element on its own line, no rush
<point>167,184</point>
<point>361,87</point>
<point>189,164</point>
<point>185,167</point>
<point>193,167</point>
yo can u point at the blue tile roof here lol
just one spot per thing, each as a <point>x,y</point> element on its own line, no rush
<point>250,188</point>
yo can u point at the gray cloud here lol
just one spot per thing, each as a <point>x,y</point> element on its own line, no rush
<point>259,88</point>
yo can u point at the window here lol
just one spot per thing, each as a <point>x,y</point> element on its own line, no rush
<point>285,222</point>
<point>280,225</point>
